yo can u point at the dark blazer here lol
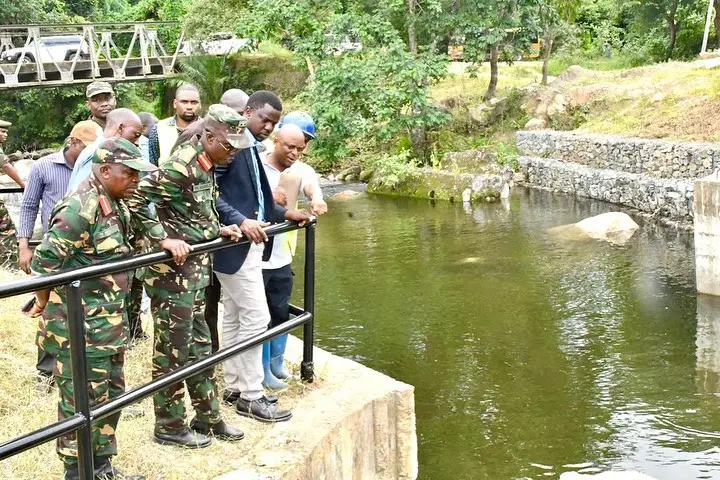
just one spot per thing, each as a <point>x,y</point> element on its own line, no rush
<point>238,201</point>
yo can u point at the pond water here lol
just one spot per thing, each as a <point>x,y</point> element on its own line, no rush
<point>530,357</point>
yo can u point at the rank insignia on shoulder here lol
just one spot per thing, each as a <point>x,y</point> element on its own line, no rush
<point>105,205</point>
<point>205,162</point>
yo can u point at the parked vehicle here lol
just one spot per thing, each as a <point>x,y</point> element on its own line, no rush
<point>220,43</point>
<point>339,44</point>
<point>56,48</point>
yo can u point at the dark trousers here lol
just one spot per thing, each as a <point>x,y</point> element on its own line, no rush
<point>133,304</point>
<point>278,288</point>
<point>212,299</point>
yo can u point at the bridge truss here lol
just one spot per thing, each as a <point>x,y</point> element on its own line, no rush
<point>141,55</point>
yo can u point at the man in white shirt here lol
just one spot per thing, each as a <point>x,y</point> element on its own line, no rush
<point>284,171</point>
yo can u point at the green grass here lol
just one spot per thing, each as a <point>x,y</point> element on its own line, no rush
<point>558,64</point>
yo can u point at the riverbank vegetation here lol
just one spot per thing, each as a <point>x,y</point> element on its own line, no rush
<point>377,76</point>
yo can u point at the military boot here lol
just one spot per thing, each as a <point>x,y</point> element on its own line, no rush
<point>186,438</point>
<point>220,430</point>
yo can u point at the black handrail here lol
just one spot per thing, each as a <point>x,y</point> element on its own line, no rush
<point>84,416</point>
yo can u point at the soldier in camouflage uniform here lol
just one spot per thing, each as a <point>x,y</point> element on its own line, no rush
<point>8,241</point>
<point>184,193</point>
<point>91,226</point>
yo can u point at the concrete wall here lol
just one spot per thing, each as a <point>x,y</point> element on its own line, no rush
<point>707,235</point>
<point>656,158</point>
<point>353,424</point>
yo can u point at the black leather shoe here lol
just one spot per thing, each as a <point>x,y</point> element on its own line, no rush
<point>220,430</point>
<point>231,398</point>
<point>262,410</point>
<point>187,439</point>
<point>104,470</point>
<point>108,472</point>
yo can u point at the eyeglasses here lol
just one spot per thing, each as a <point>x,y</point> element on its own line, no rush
<point>228,148</point>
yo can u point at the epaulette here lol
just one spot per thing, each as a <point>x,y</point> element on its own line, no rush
<point>205,163</point>
<point>89,207</point>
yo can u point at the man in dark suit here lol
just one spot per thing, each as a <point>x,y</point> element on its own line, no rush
<point>247,201</point>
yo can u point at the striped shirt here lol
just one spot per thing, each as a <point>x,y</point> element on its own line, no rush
<point>46,184</point>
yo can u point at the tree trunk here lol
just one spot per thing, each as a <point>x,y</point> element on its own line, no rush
<point>412,36</point>
<point>717,24</point>
<point>492,87</point>
<point>548,44</point>
<point>672,26</point>
<point>418,135</point>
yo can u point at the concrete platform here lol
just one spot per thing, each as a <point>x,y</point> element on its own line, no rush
<point>358,424</point>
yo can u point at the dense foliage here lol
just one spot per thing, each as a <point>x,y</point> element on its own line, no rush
<point>370,64</point>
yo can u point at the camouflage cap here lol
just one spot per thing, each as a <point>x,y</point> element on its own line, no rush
<point>234,122</point>
<point>96,88</point>
<point>120,150</point>
<point>5,124</point>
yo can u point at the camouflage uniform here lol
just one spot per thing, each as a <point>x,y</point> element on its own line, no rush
<point>8,241</point>
<point>88,228</point>
<point>184,192</point>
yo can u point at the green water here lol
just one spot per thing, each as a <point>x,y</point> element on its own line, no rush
<point>530,357</point>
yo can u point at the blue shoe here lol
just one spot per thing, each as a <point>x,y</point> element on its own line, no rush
<point>277,355</point>
<point>270,381</point>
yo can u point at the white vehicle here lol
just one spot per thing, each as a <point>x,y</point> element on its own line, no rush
<point>57,48</point>
<point>220,43</point>
<point>337,45</point>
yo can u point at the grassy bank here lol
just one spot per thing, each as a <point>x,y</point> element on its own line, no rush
<point>22,410</point>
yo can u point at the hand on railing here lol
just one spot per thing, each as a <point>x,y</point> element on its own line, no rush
<point>179,249</point>
<point>299,216</point>
<point>232,232</point>
<point>253,230</point>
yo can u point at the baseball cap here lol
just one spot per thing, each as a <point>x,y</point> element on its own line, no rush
<point>5,124</point>
<point>120,150</point>
<point>86,131</point>
<point>302,120</point>
<point>96,88</point>
<point>234,122</point>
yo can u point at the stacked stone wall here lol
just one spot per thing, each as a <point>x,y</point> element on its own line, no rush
<point>656,158</point>
<point>661,197</point>
<point>653,176</point>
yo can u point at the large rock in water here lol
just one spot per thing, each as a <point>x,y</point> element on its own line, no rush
<point>606,476</point>
<point>613,227</point>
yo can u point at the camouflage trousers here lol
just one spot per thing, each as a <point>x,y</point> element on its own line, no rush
<point>8,240</point>
<point>181,337</point>
<point>106,380</point>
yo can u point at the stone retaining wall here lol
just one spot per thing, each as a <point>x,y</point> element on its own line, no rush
<point>657,158</point>
<point>670,199</point>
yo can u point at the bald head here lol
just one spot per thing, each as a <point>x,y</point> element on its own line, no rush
<point>289,145</point>
<point>235,99</point>
<point>123,122</point>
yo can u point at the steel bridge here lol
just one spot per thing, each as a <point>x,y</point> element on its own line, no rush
<point>60,54</point>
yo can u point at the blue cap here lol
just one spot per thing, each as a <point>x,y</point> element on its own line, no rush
<point>302,120</point>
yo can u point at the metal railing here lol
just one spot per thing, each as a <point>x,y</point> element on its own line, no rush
<point>84,415</point>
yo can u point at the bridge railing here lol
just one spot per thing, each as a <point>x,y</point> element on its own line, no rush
<point>84,415</point>
<point>95,53</point>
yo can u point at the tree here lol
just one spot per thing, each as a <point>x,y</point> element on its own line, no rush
<point>492,27</point>
<point>554,17</point>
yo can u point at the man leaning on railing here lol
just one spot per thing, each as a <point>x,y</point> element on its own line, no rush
<point>92,226</point>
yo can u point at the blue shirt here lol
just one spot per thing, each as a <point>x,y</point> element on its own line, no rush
<point>255,148</point>
<point>83,164</point>
<point>46,185</point>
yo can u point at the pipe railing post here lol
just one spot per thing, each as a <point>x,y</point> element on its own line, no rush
<point>76,332</point>
<point>307,373</point>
